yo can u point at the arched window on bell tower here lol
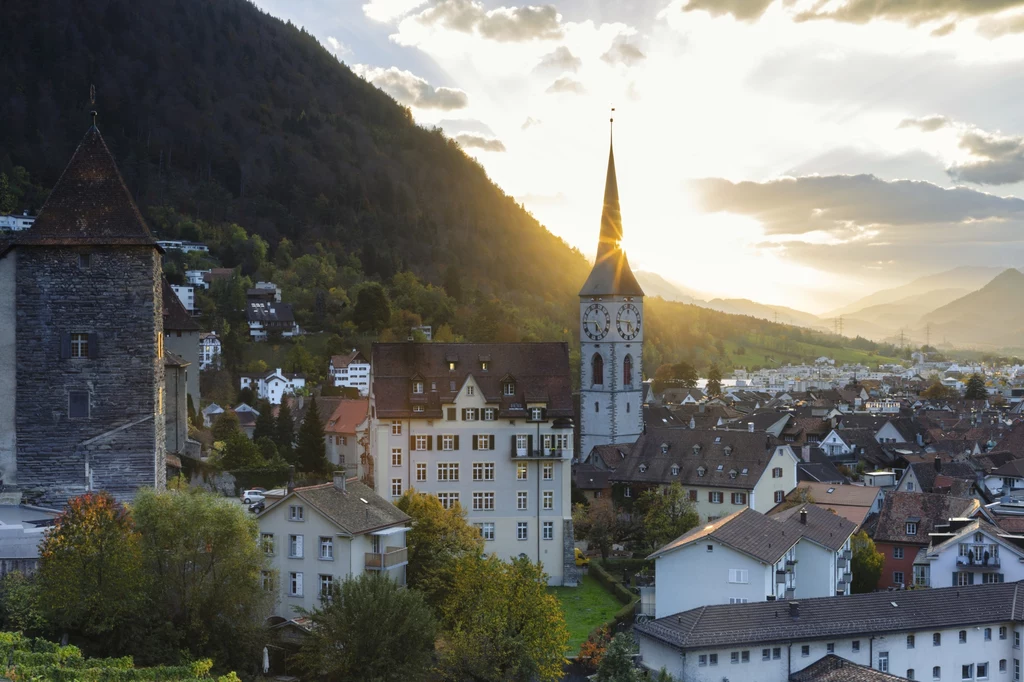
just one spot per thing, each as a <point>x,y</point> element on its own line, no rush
<point>627,371</point>
<point>597,370</point>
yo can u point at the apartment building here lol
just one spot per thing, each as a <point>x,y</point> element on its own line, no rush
<point>351,370</point>
<point>487,426</point>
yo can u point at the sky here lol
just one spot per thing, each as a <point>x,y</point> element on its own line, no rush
<point>795,152</point>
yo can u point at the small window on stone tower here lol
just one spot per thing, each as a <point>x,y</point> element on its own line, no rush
<point>78,404</point>
<point>627,371</point>
<point>597,406</point>
<point>84,260</point>
<point>597,370</point>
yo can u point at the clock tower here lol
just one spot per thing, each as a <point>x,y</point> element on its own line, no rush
<point>611,337</point>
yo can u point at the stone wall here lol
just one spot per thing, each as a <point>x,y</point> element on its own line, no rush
<point>8,363</point>
<point>118,298</point>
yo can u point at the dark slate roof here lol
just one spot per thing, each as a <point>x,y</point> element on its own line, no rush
<point>176,318</point>
<point>993,460</point>
<point>263,311</point>
<point>868,614</point>
<point>325,405</point>
<point>540,372</point>
<point>174,360</point>
<point>611,274</point>
<point>1012,469</point>
<point>745,531</point>
<point>832,668</point>
<point>927,476</point>
<point>824,527</point>
<point>612,454</point>
<point>747,451</point>
<point>90,204</point>
<point>356,511</point>
<point>929,508</point>
<point>589,477</point>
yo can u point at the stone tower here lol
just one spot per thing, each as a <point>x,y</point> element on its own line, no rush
<point>87,333</point>
<point>611,336</point>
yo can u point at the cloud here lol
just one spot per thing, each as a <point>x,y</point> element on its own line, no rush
<point>504,24</point>
<point>560,60</point>
<point>622,52</point>
<point>465,125</point>
<point>487,144</point>
<point>389,10</point>
<point>567,84</point>
<point>926,123</point>
<point>996,159</point>
<point>912,12</point>
<point>530,122</point>
<point>944,30</point>
<point>745,10</point>
<point>993,27</point>
<point>337,47</point>
<point>412,90</point>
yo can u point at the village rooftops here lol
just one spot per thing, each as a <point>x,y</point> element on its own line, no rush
<point>921,510</point>
<point>356,510</point>
<point>852,502</point>
<point>339,361</point>
<point>871,614</point>
<point>176,318</point>
<point>832,668</point>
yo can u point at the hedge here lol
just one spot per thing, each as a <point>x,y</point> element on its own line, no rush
<point>624,616</point>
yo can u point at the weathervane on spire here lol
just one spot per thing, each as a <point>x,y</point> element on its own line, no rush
<point>92,102</point>
<point>611,124</point>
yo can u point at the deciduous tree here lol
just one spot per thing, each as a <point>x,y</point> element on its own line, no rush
<point>597,524</point>
<point>866,564</point>
<point>667,514</point>
<point>373,311</point>
<point>617,662</point>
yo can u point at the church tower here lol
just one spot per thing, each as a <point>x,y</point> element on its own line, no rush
<point>611,336</point>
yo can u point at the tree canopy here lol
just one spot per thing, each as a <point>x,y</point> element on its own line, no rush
<point>866,564</point>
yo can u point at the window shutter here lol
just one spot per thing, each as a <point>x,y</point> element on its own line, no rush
<point>456,442</point>
<point>999,577</point>
<point>970,578</point>
<point>430,442</point>
<point>543,413</point>
<point>473,439</point>
<point>298,583</point>
<point>490,442</point>
<point>94,345</point>
<point>65,345</point>
<point>451,414</point>
<point>513,446</point>
<point>463,414</point>
<point>412,442</point>
<point>298,546</point>
<point>709,497</point>
<point>529,444</point>
<point>954,579</point>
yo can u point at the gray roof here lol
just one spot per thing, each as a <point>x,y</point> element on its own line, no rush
<point>832,668</point>
<point>356,511</point>
<point>824,527</point>
<point>869,614</point>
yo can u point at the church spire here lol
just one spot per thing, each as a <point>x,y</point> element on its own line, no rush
<point>611,216</point>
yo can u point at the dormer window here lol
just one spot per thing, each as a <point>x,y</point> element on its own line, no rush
<point>701,471</point>
<point>643,468</point>
<point>696,449</point>
<point>485,365</point>
<point>664,448</point>
<point>508,388</point>
<point>675,469</point>
<point>728,450</point>
<point>536,414</point>
<point>732,473</point>
<point>451,365</point>
<point>911,528</point>
<point>417,387</point>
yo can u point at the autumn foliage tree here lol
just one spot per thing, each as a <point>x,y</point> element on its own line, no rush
<point>596,523</point>
<point>667,514</point>
<point>866,564</point>
<point>592,650</point>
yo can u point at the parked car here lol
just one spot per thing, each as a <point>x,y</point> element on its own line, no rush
<point>581,558</point>
<point>257,507</point>
<point>250,496</point>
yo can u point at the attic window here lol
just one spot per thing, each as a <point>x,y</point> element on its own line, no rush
<point>830,490</point>
<point>643,468</point>
<point>700,471</point>
<point>718,439</point>
<point>911,528</point>
<point>451,365</point>
<point>664,448</point>
<point>484,365</point>
<point>508,388</point>
<point>696,449</point>
<point>728,450</point>
<point>732,473</point>
<point>744,472</point>
<point>675,469</point>
<point>417,387</point>
<point>719,467</point>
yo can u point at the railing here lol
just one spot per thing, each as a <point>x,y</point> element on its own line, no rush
<point>847,554</point>
<point>541,453</point>
<point>967,562</point>
<point>780,577</point>
<point>841,563</point>
<point>790,592</point>
<point>392,556</point>
<point>841,587</point>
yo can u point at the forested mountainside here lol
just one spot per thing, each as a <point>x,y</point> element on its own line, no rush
<point>235,128</point>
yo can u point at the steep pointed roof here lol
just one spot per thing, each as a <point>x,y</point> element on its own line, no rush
<point>90,204</point>
<point>611,274</point>
<point>176,318</point>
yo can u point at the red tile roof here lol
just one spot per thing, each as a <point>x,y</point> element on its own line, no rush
<point>347,416</point>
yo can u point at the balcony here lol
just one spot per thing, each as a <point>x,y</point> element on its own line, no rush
<point>841,587</point>
<point>553,453</point>
<point>847,577</point>
<point>389,558</point>
<point>841,563</point>
<point>977,564</point>
<point>790,592</point>
<point>847,554</point>
<point>780,577</point>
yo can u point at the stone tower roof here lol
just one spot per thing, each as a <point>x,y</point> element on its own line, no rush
<point>90,205</point>
<point>176,318</point>
<point>611,274</point>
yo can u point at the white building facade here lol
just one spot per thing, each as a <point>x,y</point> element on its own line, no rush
<point>351,371</point>
<point>187,296</point>
<point>209,350</point>
<point>274,385</point>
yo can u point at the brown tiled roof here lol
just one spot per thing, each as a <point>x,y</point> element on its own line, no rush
<point>928,508</point>
<point>824,527</point>
<point>1013,440</point>
<point>176,318</point>
<point>346,416</point>
<point>356,511</point>
<point>340,361</point>
<point>993,460</point>
<point>589,477</point>
<point>647,463</point>
<point>540,372</point>
<point>832,668</point>
<point>611,455</point>
<point>90,204</point>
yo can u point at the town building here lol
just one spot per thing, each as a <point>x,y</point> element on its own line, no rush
<point>82,342</point>
<point>273,385</point>
<point>346,429</point>
<point>16,223</point>
<point>853,502</point>
<point>486,425</point>
<point>747,556</point>
<point>181,337</point>
<point>721,471</point>
<point>316,537</point>
<point>196,278</point>
<point>209,350</point>
<point>954,633</point>
<point>187,296</point>
<point>972,551</point>
<point>611,336</point>
<point>269,318</point>
<point>351,370</point>
<point>183,245</point>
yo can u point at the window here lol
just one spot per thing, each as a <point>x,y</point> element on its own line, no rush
<point>967,671</point>
<point>549,500</point>
<point>419,408</point>
<point>327,549</point>
<point>548,472</point>
<point>536,414</point>
<point>911,528</point>
<point>84,260</point>
<point>396,457</point>
<point>78,404</point>
<point>483,501</point>
<point>897,577</point>
<point>447,442</point>
<point>702,660</point>
<point>830,648</point>
<point>267,580</point>
<point>627,371</point>
<point>981,670</point>
<point>739,498</point>
<point>713,659</point>
<point>627,492</point>
<point>326,582</point>
<point>675,469</point>
<point>396,487</point>
<point>508,388</point>
<point>855,645</point>
<point>521,497</point>
<point>447,471</point>
<point>268,543</point>
<point>776,653</point>
<point>448,500</point>
<point>469,390</point>
<point>417,387</point>
<point>745,656</point>
<point>766,654</point>
<point>1002,665</point>
<point>1016,669</point>
<point>396,428</point>
<point>296,512</point>
<point>936,673</point>
<point>987,578</point>
<point>1002,632</point>
<point>777,472</point>
<point>597,369</point>
<point>738,600</point>
<point>421,471</point>
<point>897,552</point>
<point>521,533</point>
<point>484,442</point>
<point>548,530</point>
<point>1016,639</point>
<point>487,530</point>
<point>79,345</point>
<point>489,414</point>
<point>779,496</point>
<point>521,471</point>
<point>910,641</point>
<point>937,639</point>
<point>988,634</point>
<point>421,442</point>
<point>963,578</point>
<point>295,546</point>
<point>734,657</point>
<point>715,497</point>
<point>483,471</point>
<point>739,575</point>
<point>470,414</point>
<point>805,650</point>
<point>883,661</point>
<point>295,584</point>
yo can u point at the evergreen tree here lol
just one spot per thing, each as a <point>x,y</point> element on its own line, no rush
<point>976,388</point>
<point>6,196</point>
<point>284,430</point>
<point>225,425</point>
<point>311,450</point>
<point>617,662</point>
<point>265,422</point>
<point>373,310</point>
<point>714,386</point>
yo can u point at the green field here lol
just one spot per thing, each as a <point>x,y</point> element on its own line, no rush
<point>796,352</point>
<point>585,607</point>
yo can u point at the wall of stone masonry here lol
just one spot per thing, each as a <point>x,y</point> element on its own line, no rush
<point>8,364</point>
<point>118,297</point>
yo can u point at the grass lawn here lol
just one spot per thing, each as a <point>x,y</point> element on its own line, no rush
<point>585,608</point>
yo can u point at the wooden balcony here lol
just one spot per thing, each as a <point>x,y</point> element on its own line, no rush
<point>391,557</point>
<point>526,454</point>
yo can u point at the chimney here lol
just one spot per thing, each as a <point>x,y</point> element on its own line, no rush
<point>750,427</point>
<point>794,609</point>
<point>805,453</point>
<point>291,478</point>
<point>339,481</point>
<point>803,516</point>
<point>938,464</point>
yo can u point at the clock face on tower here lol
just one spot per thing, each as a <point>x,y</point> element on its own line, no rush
<point>596,321</point>
<point>627,321</point>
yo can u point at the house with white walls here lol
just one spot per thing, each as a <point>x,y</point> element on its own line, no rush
<point>969,552</point>
<point>274,385</point>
